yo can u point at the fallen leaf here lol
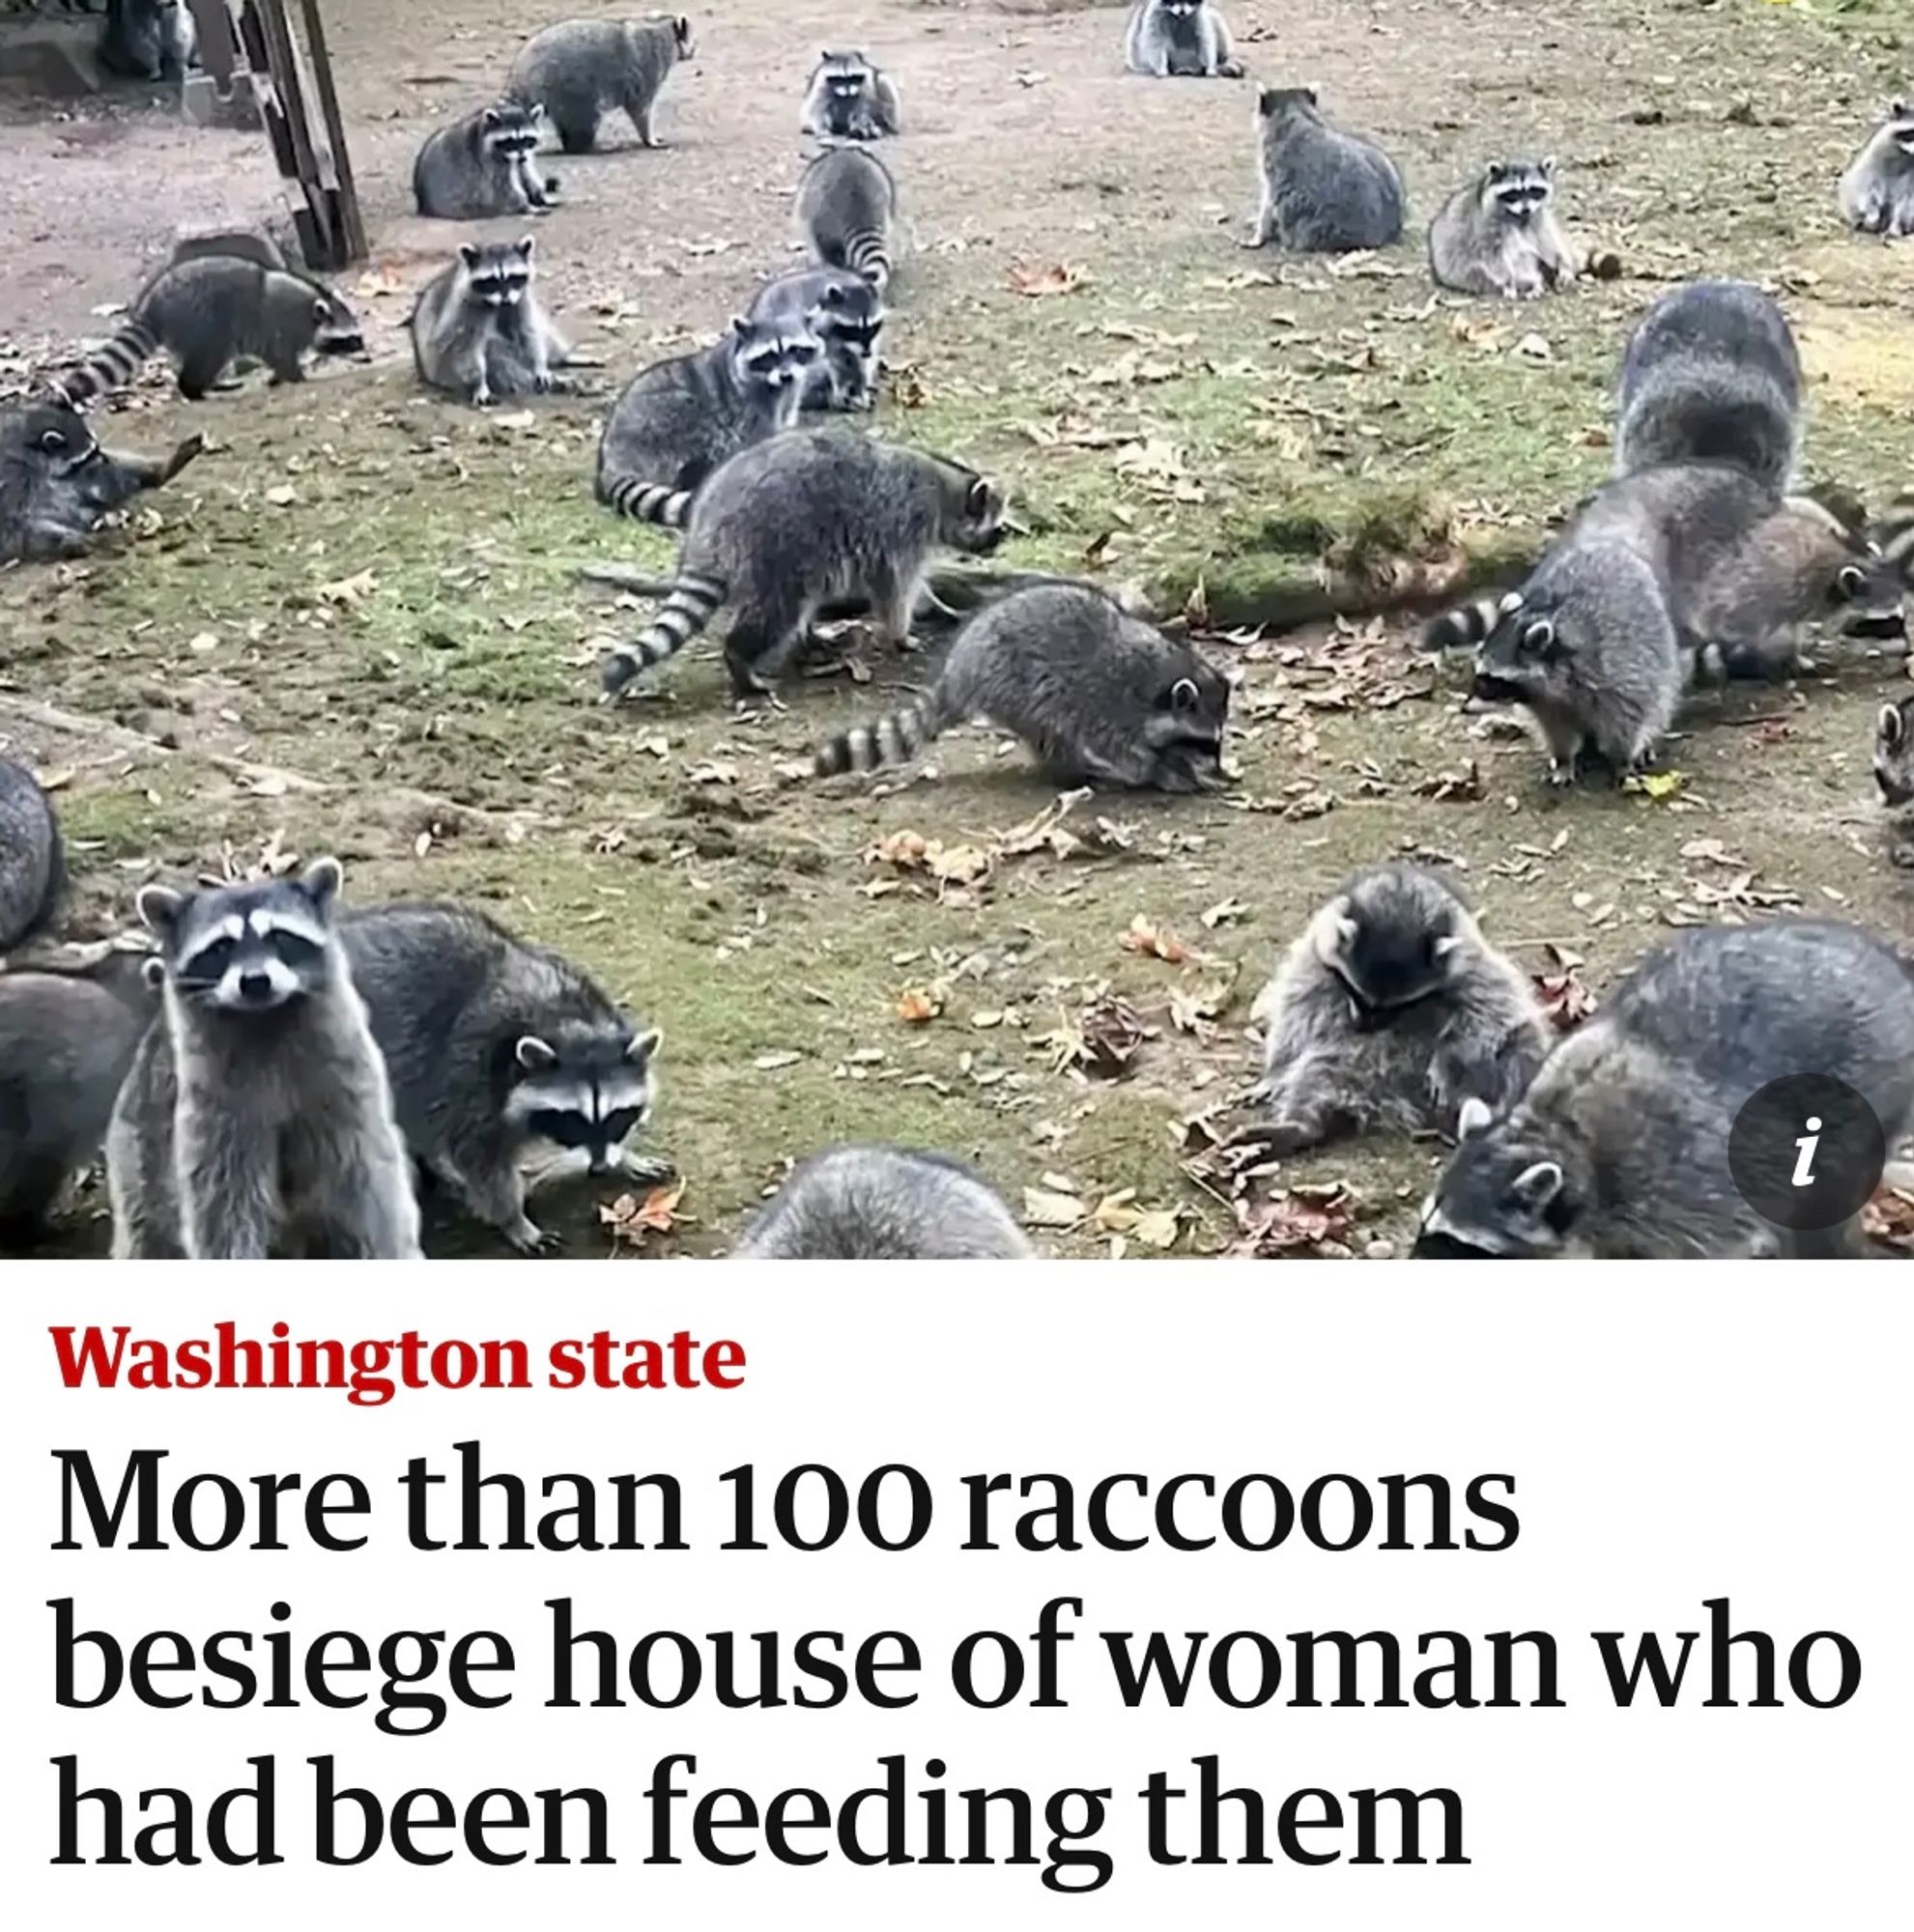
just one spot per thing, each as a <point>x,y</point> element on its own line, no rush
<point>918,1006</point>
<point>1043,1209</point>
<point>1230,908</point>
<point>1298,1220</point>
<point>1059,279</point>
<point>769,1063</point>
<point>1889,1218</point>
<point>1156,941</point>
<point>630,1217</point>
<point>1564,998</point>
<point>280,495</point>
<point>1657,784</point>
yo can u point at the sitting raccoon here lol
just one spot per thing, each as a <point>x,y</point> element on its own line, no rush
<point>1389,1014</point>
<point>1711,375</point>
<point>680,419</point>
<point>1877,190</point>
<point>849,99</point>
<point>1894,773</point>
<point>846,208</point>
<point>845,314</point>
<point>855,1203</point>
<point>483,165</point>
<point>1496,234</point>
<point>56,482</point>
<point>256,1119</point>
<point>791,526</point>
<point>1101,697</point>
<point>1325,191</point>
<point>479,330</point>
<point>67,1041</point>
<point>580,70</point>
<point>500,1056</point>
<point>209,311</point>
<point>33,865</point>
<point>1619,1147</point>
<point>148,40</point>
<point>1179,37</point>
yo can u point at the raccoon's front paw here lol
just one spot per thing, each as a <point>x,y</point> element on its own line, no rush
<point>643,1167</point>
<point>1562,771</point>
<point>1281,1138</point>
<point>481,397</point>
<point>1230,69</point>
<point>1901,856</point>
<point>529,1237</point>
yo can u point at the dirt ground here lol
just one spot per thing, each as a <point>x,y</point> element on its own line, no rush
<point>354,624</point>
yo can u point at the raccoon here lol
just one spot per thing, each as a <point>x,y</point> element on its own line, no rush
<point>480,329</point>
<point>790,526</point>
<point>148,40</point>
<point>1877,190</point>
<point>1167,37</point>
<point>243,244</point>
<point>257,1118</point>
<point>1496,234</point>
<point>1325,191</point>
<point>207,313</point>
<point>845,315</point>
<point>849,99</point>
<point>680,419</point>
<point>56,482</point>
<point>1712,375</point>
<point>482,165</point>
<point>1619,1147</point>
<point>499,1053</point>
<point>1894,773</point>
<point>1389,1013</point>
<point>577,69</point>
<point>1101,696</point>
<point>33,866</point>
<point>67,1041</point>
<point>854,1204</point>
<point>846,206</point>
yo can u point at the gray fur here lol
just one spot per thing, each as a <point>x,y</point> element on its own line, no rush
<point>242,244</point>
<point>1496,234</point>
<point>884,1203</point>
<point>1618,1149</point>
<point>1388,1014</point>
<point>56,482</point>
<point>484,164</point>
<point>1711,375</point>
<point>501,1054</point>
<point>67,1041</point>
<point>1893,775</point>
<point>846,213</point>
<point>580,70</point>
<point>479,330</point>
<point>792,526</point>
<point>209,311</point>
<point>845,314</point>
<point>33,870</point>
<point>257,1119</point>
<point>1877,190</point>
<point>680,419</point>
<point>1167,37</point>
<point>849,99</point>
<point>1101,696</point>
<point>148,40</point>
<point>1325,190</point>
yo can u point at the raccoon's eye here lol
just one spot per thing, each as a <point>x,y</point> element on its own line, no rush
<point>803,351</point>
<point>210,963</point>
<point>293,949</point>
<point>618,1122</point>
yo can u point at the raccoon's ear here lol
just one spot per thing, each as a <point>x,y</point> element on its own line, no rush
<point>523,246</point>
<point>1892,725</point>
<point>468,254</point>
<point>1183,695</point>
<point>682,26</point>
<point>641,1050</point>
<point>976,498</point>
<point>1474,1118</point>
<point>534,1055</point>
<point>1309,95</point>
<point>1347,931</point>
<point>535,112</point>
<point>1265,100</point>
<point>1446,945</point>
<point>1849,583</point>
<point>490,117</point>
<point>1535,1187</point>
<point>743,327</point>
<point>1498,171</point>
<point>153,973</point>
<point>1540,636</point>
<point>1896,110</point>
<point>160,908</point>
<point>1548,167</point>
<point>320,882</point>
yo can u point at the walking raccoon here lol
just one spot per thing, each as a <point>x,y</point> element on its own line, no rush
<point>148,40</point>
<point>855,1203</point>
<point>846,206</point>
<point>1324,190</point>
<point>484,165</point>
<point>807,518</point>
<point>578,70</point>
<point>1877,190</point>
<point>33,868</point>
<point>1101,696</point>
<point>1167,37</point>
<point>1894,773</point>
<point>680,419</point>
<point>480,329</point>
<point>849,99</point>
<point>845,314</point>
<point>1619,1147</point>
<point>56,482</point>
<point>1498,236</point>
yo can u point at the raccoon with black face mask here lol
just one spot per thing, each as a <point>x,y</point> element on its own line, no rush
<point>791,526</point>
<point>579,70</point>
<point>257,1118</point>
<point>680,419</point>
<point>207,313</point>
<point>845,314</point>
<point>479,330</point>
<point>57,483</point>
<point>483,165</point>
<point>1877,190</point>
<point>1389,1013</point>
<point>849,99</point>
<point>1619,1147</point>
<point>1496,234</point>
<point>855,1203</point>
<point>1179,37</point>
<point>1101,696</point>
<point>1325,190</point>
<point>503,1057</point>
<point>1893,775</point>
<point>846,209</point>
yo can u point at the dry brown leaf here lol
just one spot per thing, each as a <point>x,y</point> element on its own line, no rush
<point>632,1217</point>
<point>1044,1208</point>
<point>919,1007</point>
<point>1060,279</point>
<point>1889,1218</point>
<point>1298,1221</point>
<point>1156,941</point>
<point>1564,999</point>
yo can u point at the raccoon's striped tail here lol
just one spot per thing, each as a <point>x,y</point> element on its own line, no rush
<point>1896,534</point>
<point>688,612</point>
<point>888,741</point>
<point>867,253</point>
<point>111,367</point>
<point>1468,624</point>
<point>645,502</point>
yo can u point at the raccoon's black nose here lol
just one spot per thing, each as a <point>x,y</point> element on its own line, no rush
<point>255,986</point>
